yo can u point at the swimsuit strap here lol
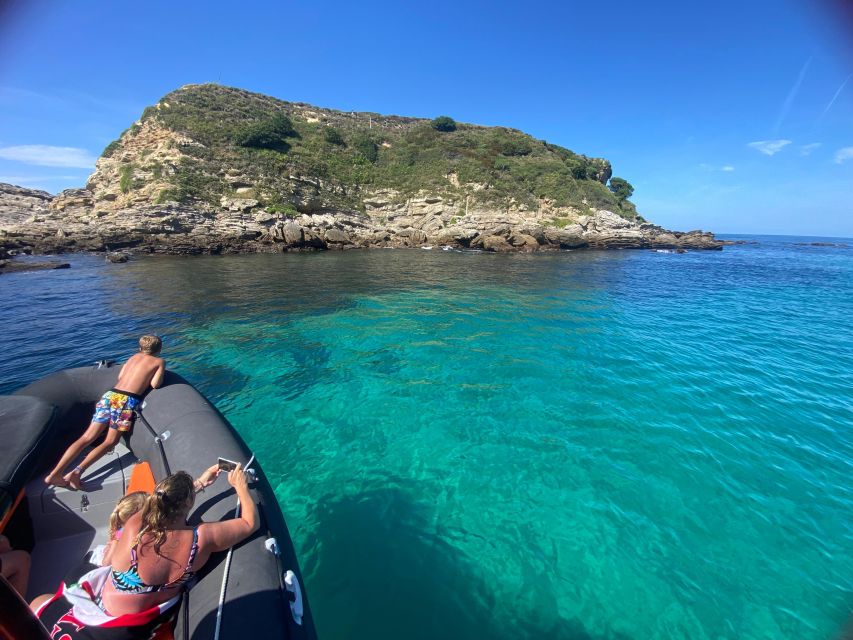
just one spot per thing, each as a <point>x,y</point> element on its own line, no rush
<point>129,580</point>
<point>193,552</point>
<point>188,573</point>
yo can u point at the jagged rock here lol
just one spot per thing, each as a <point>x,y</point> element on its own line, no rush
<point>72,199</point>
<point>413,236</point>
<point>456,235</point>
<point>535,231</point>
<point>337,236</point>
<point>524,241</point>
<point>17,204</point>
<point>496,243</point>
<point>117,257</point>
<point>265,218</point>
<point>293,233</point>
<point>238,204</point>
<point>569,238</point>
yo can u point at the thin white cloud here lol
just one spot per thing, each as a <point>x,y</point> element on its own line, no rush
<point>75,100</point>
<point>806,149</point>
<point>769,147</point>
<point>31,179</point>
<point>834,98</point>
<point>792,94</point>
<point>45,155</point>
<point>843,154</point>
<point>727,168</point>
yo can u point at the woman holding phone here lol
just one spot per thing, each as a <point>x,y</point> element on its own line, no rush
<point>158,553</point>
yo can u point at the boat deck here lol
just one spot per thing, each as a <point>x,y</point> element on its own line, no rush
<point>67,523</point>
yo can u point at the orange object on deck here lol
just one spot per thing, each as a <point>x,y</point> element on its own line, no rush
<point>141,479</point>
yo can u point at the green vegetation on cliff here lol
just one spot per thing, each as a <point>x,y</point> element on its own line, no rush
<point>278,147</point>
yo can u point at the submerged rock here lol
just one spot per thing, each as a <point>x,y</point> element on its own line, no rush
<point>16,266</point>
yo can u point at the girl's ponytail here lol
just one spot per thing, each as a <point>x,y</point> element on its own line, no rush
<point>170,499</point>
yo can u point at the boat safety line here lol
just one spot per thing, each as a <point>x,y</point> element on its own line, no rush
<point>159,440</point>
<point>227,568</point>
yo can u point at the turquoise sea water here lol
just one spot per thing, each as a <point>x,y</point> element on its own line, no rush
<point>582,445</point>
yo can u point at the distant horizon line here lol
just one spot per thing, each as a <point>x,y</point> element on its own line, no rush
<point>779,235</point>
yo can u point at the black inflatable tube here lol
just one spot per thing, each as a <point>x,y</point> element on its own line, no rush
<point>183,431</point>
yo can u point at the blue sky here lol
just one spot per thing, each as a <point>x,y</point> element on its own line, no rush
<point>729,116</point>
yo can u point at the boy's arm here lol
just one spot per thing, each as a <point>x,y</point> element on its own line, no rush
<point>157,380</point>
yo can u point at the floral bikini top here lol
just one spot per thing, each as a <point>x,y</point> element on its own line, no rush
<point>129,581</point>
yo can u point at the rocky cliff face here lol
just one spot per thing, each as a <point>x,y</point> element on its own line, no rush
<point>32,222</point>
<point>182,180</point>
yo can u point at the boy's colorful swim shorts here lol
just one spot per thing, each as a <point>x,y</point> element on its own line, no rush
<point>117,408</point>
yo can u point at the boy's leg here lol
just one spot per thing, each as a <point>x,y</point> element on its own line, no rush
<point>16,569</point>
<point>89,436</point>
<point>110,441</point>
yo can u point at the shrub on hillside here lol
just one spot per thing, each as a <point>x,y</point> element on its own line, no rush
<point>111,148</point>
<point>125,178</point>
<point>622,189</point>
<point>366,146</point>
<point>577,168</point>
<point>333,136</point>
<point>268,134</point>
<point>191,184</point>
<point>444,123</point>
<point>515,147</point>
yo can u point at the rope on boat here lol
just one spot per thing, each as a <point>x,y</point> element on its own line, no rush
<point>227,568</point>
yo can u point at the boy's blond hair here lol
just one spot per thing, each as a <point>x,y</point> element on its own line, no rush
<point>150,345</point>
<point>126,507</point>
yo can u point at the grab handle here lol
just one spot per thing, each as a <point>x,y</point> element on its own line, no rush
<point>292,584</point>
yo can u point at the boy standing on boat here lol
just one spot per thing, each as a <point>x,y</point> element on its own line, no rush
<point>116,408</point>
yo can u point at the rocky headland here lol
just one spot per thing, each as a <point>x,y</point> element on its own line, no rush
<point>211,169</point>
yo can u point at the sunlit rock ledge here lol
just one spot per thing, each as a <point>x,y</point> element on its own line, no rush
<point>33,221</point>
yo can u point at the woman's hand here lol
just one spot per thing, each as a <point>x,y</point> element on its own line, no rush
<point>237,478</point>
<point>207,478</point>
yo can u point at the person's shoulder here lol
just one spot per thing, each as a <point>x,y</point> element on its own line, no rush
<point>132,525</point>
<point>134,358</point>
<point>134,521</point>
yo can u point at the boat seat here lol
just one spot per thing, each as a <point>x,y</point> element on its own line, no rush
<point>26,425</point>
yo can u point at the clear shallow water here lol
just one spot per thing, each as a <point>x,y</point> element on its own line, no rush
<point>582,445</point>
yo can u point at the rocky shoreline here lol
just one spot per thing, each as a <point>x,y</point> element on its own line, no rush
<point>33,221</point>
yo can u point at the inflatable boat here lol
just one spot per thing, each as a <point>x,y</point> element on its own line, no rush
<point>253,590</point>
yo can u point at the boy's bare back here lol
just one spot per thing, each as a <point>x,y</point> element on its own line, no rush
<point>140,371</point>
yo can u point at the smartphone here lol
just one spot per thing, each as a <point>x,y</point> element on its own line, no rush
<point>226,465</point>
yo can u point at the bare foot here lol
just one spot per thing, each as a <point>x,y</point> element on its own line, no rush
<point>55,480</point>
<point>73,480</point>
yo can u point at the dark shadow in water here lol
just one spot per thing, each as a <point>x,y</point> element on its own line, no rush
<point>384,363</point>
<point>382,574</point>
<point>216,381</point>
<point>283,284</point>
<point>312,360</point>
